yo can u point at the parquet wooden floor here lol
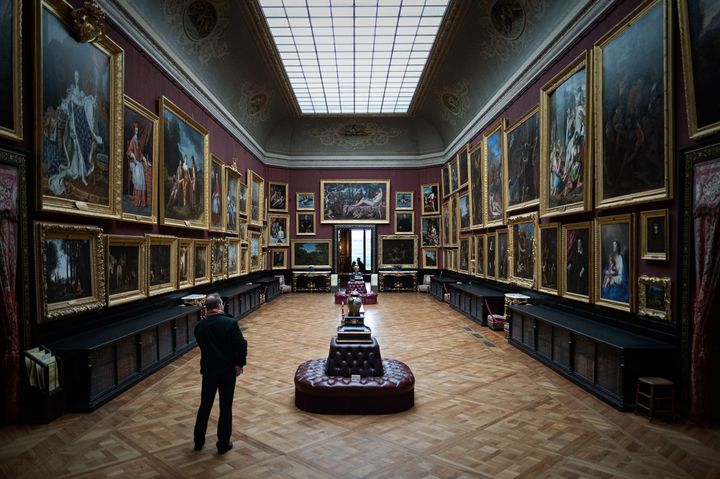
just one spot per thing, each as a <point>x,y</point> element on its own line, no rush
<point>483,409</point>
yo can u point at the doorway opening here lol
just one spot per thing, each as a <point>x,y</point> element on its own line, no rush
<point>353,242</point>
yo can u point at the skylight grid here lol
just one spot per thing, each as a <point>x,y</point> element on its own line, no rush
<point>354,56</point>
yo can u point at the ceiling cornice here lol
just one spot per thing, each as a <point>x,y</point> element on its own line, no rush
<point>355,162</point>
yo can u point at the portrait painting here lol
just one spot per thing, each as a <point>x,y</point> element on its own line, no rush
<point>355,201</point>
<point>565,161</point>
<point>445,231</point>
<point>430,258</point>
<point>219,259</point>
<point>255,251</point>
<point>139,178</point>
<point>397,250</point>
<point>503,255</point>
<point>480,255</point>
<point>243,263</point>
<point>277,231</point>
<point>494,212</point>
<point>233,257</point>
<point>186,165</point>
<point>125,259</point>
<point>257,191</point>
<point>305,201</point>
<point>476,186</point>
<point>279,258</point>
<point>654,297</point>
<point>430,231</point>
<point>403,200</point>
<point>523,162</point>
<point>634,134</point>
<point>490,255</point>
<point>576,261</point>
<point>463,171</point>
<point>549,255</point>
<point>615,261</point>
<point>654,237</point>
<point>185,268</point>
<point>72,276</point>
<point>11,69</point>
<point>201,264</point>
<point>430,199</point>
<point>79,98</point>
<point>523,231</point>
<point>305,223</point>
<point>464,259</point>
<point>404,222</point>
<point>445,173</point>
<point>242,206</point>
<point>243,231</point>
<point>454,220</point>
<point>162,263</point>
<point>464,208</point>
<point>699,33</point>
<point>232,184</point>
<point>277,196</point>
<point>453,174</point>
<point>217,198</point>
<point>311,254</point>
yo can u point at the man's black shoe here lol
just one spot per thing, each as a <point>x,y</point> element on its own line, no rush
<point>198,446</point>
<point>225,448</point>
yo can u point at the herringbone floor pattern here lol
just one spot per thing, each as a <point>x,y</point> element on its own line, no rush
<point>483,409</point>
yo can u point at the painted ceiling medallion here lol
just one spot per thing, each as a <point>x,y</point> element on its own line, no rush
<point>355,135</point>
<point>454,102</point>
<point>200,27</point>
<point>88,22</point>
<point>254,102</point>
<point>354,130</point>
<point>508,18</point>
<point>199,19</point>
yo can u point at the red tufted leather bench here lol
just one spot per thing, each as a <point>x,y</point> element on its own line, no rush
<point>317,392</point>
<point>368,297</point>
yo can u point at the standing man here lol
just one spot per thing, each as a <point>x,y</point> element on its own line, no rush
<point>223,350</point>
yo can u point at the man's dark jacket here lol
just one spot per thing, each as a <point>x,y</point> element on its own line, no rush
<point>222,344</point>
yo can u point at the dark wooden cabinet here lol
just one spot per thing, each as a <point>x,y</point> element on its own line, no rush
<point>102,362</point>
<point>241,299</point>
<point>398,280</point>
<point>271,287</point>
<point>311,281</point>
<point>439,286</point>
<point>603,359</point>
<point>470,299</point>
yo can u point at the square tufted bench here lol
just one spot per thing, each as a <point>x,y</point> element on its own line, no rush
<point>367,297</point>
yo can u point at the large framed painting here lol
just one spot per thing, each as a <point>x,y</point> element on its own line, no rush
<point>463,170</point>
<point>615,261</point>
<point>278,230</point>
<point>71,270</point>
<point>522,169</point>
<point>219,259</point>
<point>523,245</point>
<point>549,247</point>
<point>654,297</point>
<point>404,200</point>
<point>654,237</point>
<point>305,201</point>
<point>491,255</point>
<point>278,197</point>
<point>257,191</point>
<point>476,186</point>
<point>242,206</point>
<point>126,277</point>
<point>79,105</point>
<point>430,199</point>
<point>185,160</point>
<point>233,257</point>
<point>255,251</point>
<point>11,69</point>
<point>311,254</point>
<point>493,175</point>
<point>634,138</point>
<point>480,255</point>
<point>576,262</point>
<point>201,262</point>
<point>445,177</point>
<point>464,258</point>
<point>464,211</point>
<point>232,202</point>
<point>218,202</point>
<point>503,255</point>
<point>404,222</point>
<point>305,223</point>
<point>454,175</point>
<point>430,258</point>
<point>139,176</point>
<point>565,146</point>
<point>397,251</point>
<point>162,263</point>
<point>700,57</point>
<point>278,258</point>
<point>186,266</point>
<point>454,220</point>
<point>355,201</point>
<point>430,231</point>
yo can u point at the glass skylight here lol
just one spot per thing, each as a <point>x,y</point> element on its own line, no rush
<point>354,56</point>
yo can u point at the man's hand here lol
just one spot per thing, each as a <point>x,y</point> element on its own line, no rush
<point>238,370</point>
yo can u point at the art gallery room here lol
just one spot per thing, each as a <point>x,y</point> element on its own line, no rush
<point>359,238</point>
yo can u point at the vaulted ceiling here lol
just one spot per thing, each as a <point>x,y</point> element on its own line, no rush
<point>487,52</point>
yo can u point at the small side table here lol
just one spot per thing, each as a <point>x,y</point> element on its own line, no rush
<point>656,395</point>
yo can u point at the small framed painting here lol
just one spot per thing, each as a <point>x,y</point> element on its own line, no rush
<point>549,247</point>
<point>493,177</point>
<point>126,278</point>
<point>242,207</point>
<point>278,197</point>
<point>480,255</point>
<point>490,255</point>
<point>219,257</point>
<point>454,175</point>
<point>404,222</point>
<point>186,250</point>
<point>464,207</point>
<point>279,258</point>
<point>403,200</point>
<point>305,223</point>
<point>430,199</point>
<point>524,250</point>
<point>232,202</point>
<point>654,235</point>
<point>162,263</point>
<point>464,260</point>
<point>233,257</point>
<point>445,172</point>
<point>257,199</point>
<point>476,186</point>
<point>256,256</point>
<point>243,261</point>
<point>397,250</point>
<point>430,231</point>
<point>430,258</point>
<point>311,254</point>
<point>576,262</point>
<point>503,255</point>
<point>654,297</point>
<point>277,230</point>
<point>615,261</point>
<point>305,201</point>
<point>201,262</point>
<point>462,157</point>
<point>217,197</point>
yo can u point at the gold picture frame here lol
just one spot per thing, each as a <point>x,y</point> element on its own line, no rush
<point>182,201</point>
<point>490,255</point>
<point>278,197</point>
<point>463,166</point>
<point>77,177</point>
<point>305,201</point>
<point>234,250</point>
<point>125,283</point>
<point>13,55</point>
<point>186,263</point>
<point>475,188</point>
<point>549,242</point>
<point>218,195</point>
<point>201,262</point>
<point>430,258</point>
<point>522,154</point>
<point>479,256</point>
<point>523,249</point>
<point>430,195</point>
<point>404,200</point>
<point>162,262</point>
<point>219,259</point>
<point>242,209</point>
<point>654,235</point>
<point>79,286</point>
<point>464,255</point>
<point>623,178</point>
<point>305,223</point>
<point>355,201</point>
<point>243,260</point>
<point>256,258</point>
<point>655,298</point>
<point>564,192</point>
<point>256,199</point>
<point>614,253</point>
<point>231,195</point>
<point>404,222</point>
<point>576,269</point>
<point>504,256</point>
<point>395,251</point>
<point>278,258</point>
<point>278,230</point>
<point>493,159</point>
<point>315,254</point>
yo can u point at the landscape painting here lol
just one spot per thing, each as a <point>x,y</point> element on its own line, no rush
<point>311,254</point>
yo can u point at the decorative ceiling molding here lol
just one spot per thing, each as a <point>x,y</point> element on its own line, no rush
<point>352,162</point>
